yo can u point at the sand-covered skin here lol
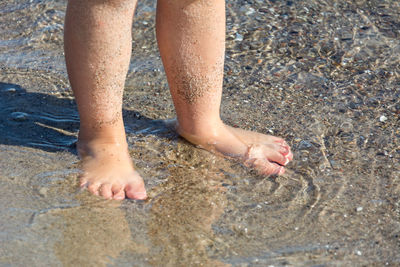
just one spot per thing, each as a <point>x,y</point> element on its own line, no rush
<point>323,75</point>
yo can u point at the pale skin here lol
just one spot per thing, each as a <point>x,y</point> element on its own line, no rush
<point>191,40</point>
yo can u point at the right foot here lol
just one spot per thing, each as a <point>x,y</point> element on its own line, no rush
<point>265,153</point>
<point>107,170</point>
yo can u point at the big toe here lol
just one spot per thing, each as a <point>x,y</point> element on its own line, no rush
<point>136,190</point>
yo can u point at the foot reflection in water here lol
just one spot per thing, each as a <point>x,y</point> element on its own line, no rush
<point>94,234</point>
<point>182,214</point>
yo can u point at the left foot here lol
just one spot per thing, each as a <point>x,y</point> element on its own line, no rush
<point>107,169</point>
<point>265,153</point>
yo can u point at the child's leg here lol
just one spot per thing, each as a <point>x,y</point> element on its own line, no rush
<point>97,51</point>
<point>191,38</point>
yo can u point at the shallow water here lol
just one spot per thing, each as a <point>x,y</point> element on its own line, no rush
<point>322,74</point>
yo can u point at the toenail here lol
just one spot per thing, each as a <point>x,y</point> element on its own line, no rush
<point>140,195</point>
<point>287,161</point>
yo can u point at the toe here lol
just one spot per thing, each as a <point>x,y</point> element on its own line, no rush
<point>278,157</point>
<point>285,151</point>
<point>135,190</point>
<point>265,167</point>
<point>120,195</point>
<point>271,168</point>
<point>94,188</point>
<point>105,191</point>
<point>118,192</point>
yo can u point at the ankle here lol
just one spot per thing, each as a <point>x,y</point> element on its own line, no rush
<point>94,145</point>
<point>208,129</point>
<point>102,135</point>
<point>100,141</point>
<point>204,135</point>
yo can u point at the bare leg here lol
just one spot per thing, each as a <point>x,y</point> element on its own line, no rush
<point>97,51</point>
<point>191,38</point>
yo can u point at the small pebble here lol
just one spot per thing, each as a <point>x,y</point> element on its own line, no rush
<point>358,253</point>
<point>43,191</point>
<point>359,209</point>
<point>304,144</point>
<point>382,118</point>
<point>10,89</point>
<point>239,37</point>
<point>19,116</point>
<point>250,11</point>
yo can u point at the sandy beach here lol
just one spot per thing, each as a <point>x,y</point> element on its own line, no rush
<point>324,75</point>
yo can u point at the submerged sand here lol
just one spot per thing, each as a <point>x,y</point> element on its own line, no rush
<point>324,75</point>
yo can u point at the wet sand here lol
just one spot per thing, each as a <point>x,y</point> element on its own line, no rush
<point>324,75</point>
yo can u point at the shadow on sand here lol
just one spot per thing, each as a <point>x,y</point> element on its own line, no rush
<point>51,123</point>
